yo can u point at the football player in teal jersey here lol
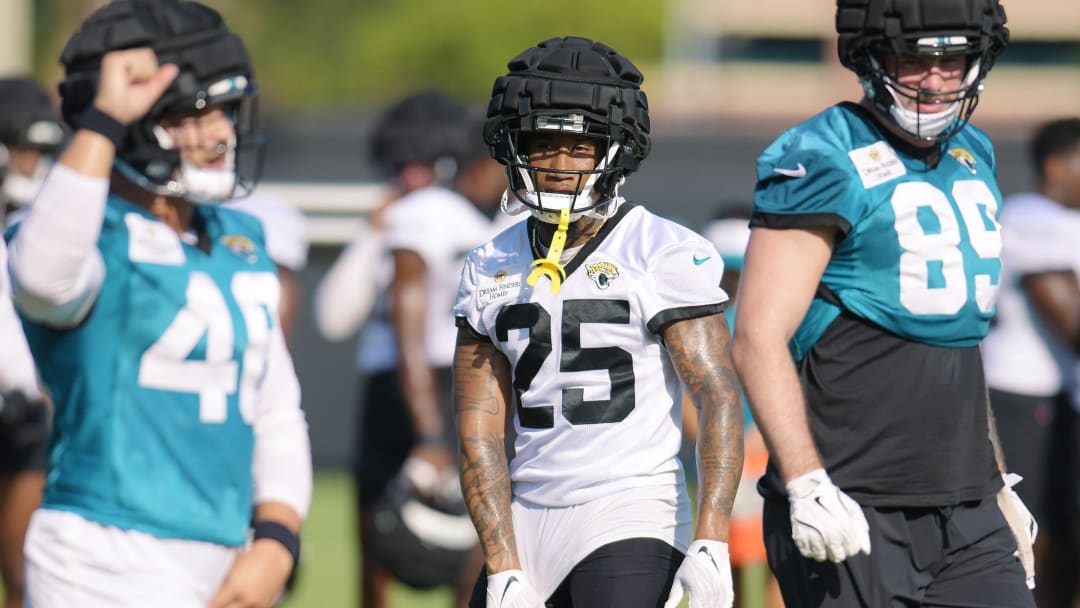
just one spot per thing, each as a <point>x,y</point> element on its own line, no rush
<point>152,315</point>
<point>870,280</point>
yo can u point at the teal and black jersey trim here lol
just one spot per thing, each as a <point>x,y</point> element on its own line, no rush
<point>155,391</point>
<point>918,244</point>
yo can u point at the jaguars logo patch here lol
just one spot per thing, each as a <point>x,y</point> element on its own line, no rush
<point>240,245</point>
<point>963,157</point>
<point>602,273</point>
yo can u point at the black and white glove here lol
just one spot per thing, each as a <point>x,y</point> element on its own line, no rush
<point>1021,522</point>
<point>825,522</point>
<point>705,574</point>
<point>510,589</point>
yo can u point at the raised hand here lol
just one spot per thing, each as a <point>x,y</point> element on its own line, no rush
<point>131,81</point>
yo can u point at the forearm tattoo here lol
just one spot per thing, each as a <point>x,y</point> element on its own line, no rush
<point>481,394</point>
<point>700,350</point>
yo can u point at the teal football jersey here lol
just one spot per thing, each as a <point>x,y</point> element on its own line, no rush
<point>155,390</point>
<point>919,248</point>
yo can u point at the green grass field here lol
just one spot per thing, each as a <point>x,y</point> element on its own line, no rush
<point>329,573</point>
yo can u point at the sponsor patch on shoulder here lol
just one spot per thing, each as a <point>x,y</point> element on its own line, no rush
<point>497,286</point>
<point>877,164</point>
<point>151,242</point>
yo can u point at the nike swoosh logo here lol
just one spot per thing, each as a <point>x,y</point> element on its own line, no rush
<point>699,261</point>
<point>708,554</point>
<point>506,589</point>
<point>798,171</point>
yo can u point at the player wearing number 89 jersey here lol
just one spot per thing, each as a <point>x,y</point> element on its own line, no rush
<point>869,283</point>
<point>921,246</point>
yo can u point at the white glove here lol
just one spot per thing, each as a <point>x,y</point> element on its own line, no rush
<point>1021,522</point>
<point>825,522</point>
<point>510,589</point>
<point>705,574</point>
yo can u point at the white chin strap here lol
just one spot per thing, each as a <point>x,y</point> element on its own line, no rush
<point>545,206</point>
<point>927,124</point>
<point>21,190</point>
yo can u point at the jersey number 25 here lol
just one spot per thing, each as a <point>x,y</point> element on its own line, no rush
<point>573,358</point>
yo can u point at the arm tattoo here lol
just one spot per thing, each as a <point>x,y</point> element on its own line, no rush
<point>700,350</point>
<point>481,394</point>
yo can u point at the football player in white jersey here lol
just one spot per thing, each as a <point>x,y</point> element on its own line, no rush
<point>30,133</point>
<point>152,314</point>
<point>1032,355</point>
<point>581,327</point>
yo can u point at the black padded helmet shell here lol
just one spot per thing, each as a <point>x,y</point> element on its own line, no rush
<point>425,127</point>
<point>867,26</point>
<point>214,69</point>
<point>571,75</point>
<point>27,117</point>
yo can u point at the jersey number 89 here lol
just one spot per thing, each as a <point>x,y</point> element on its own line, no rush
<point>946,291</point>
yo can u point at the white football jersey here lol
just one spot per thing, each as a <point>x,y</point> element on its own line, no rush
<point>597,399</point>
<point>441,226</point>
<point>1022,354</point>
<point>16,364</point>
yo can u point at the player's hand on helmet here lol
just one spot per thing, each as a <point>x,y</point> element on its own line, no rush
<point>825,522</point>
<point>256,578</point>
<point>1021,522</point>
<point>511,589</point>
<point>705,574</point>
<point>131,81</point>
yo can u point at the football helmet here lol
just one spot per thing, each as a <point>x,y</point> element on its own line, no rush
<point>429,127</point>
<point>571,86</point>
<point>214,71</point>
<point>423,542</point>
<point>974,29</point>
<point>27,121</point>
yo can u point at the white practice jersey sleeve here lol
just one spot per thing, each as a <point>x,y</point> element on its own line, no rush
<point>345,295</point>
<point>597,399</point>
<point>281,467</point>
<point>16,363</point>
<point>56,268</point>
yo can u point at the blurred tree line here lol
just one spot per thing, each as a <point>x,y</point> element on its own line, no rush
<point>339,53</point>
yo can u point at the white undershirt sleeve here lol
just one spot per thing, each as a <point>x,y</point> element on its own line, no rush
<point>282,462</point>
<point>56,268</point>
<point>345,295</point>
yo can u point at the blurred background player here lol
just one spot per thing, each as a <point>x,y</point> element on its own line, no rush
<point>407,262</point>
<point>30,134</point>
<point>1032,354</point>
<point>152,315</point>
<point>729,232</point>
<point>874,257</point>
<point>579,327</point>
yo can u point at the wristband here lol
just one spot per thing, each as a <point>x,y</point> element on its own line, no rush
<point>101,123</point>
<point>277,531</point>
<point>434,441</point>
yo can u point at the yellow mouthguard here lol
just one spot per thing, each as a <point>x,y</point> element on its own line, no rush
<point>550,266</point>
